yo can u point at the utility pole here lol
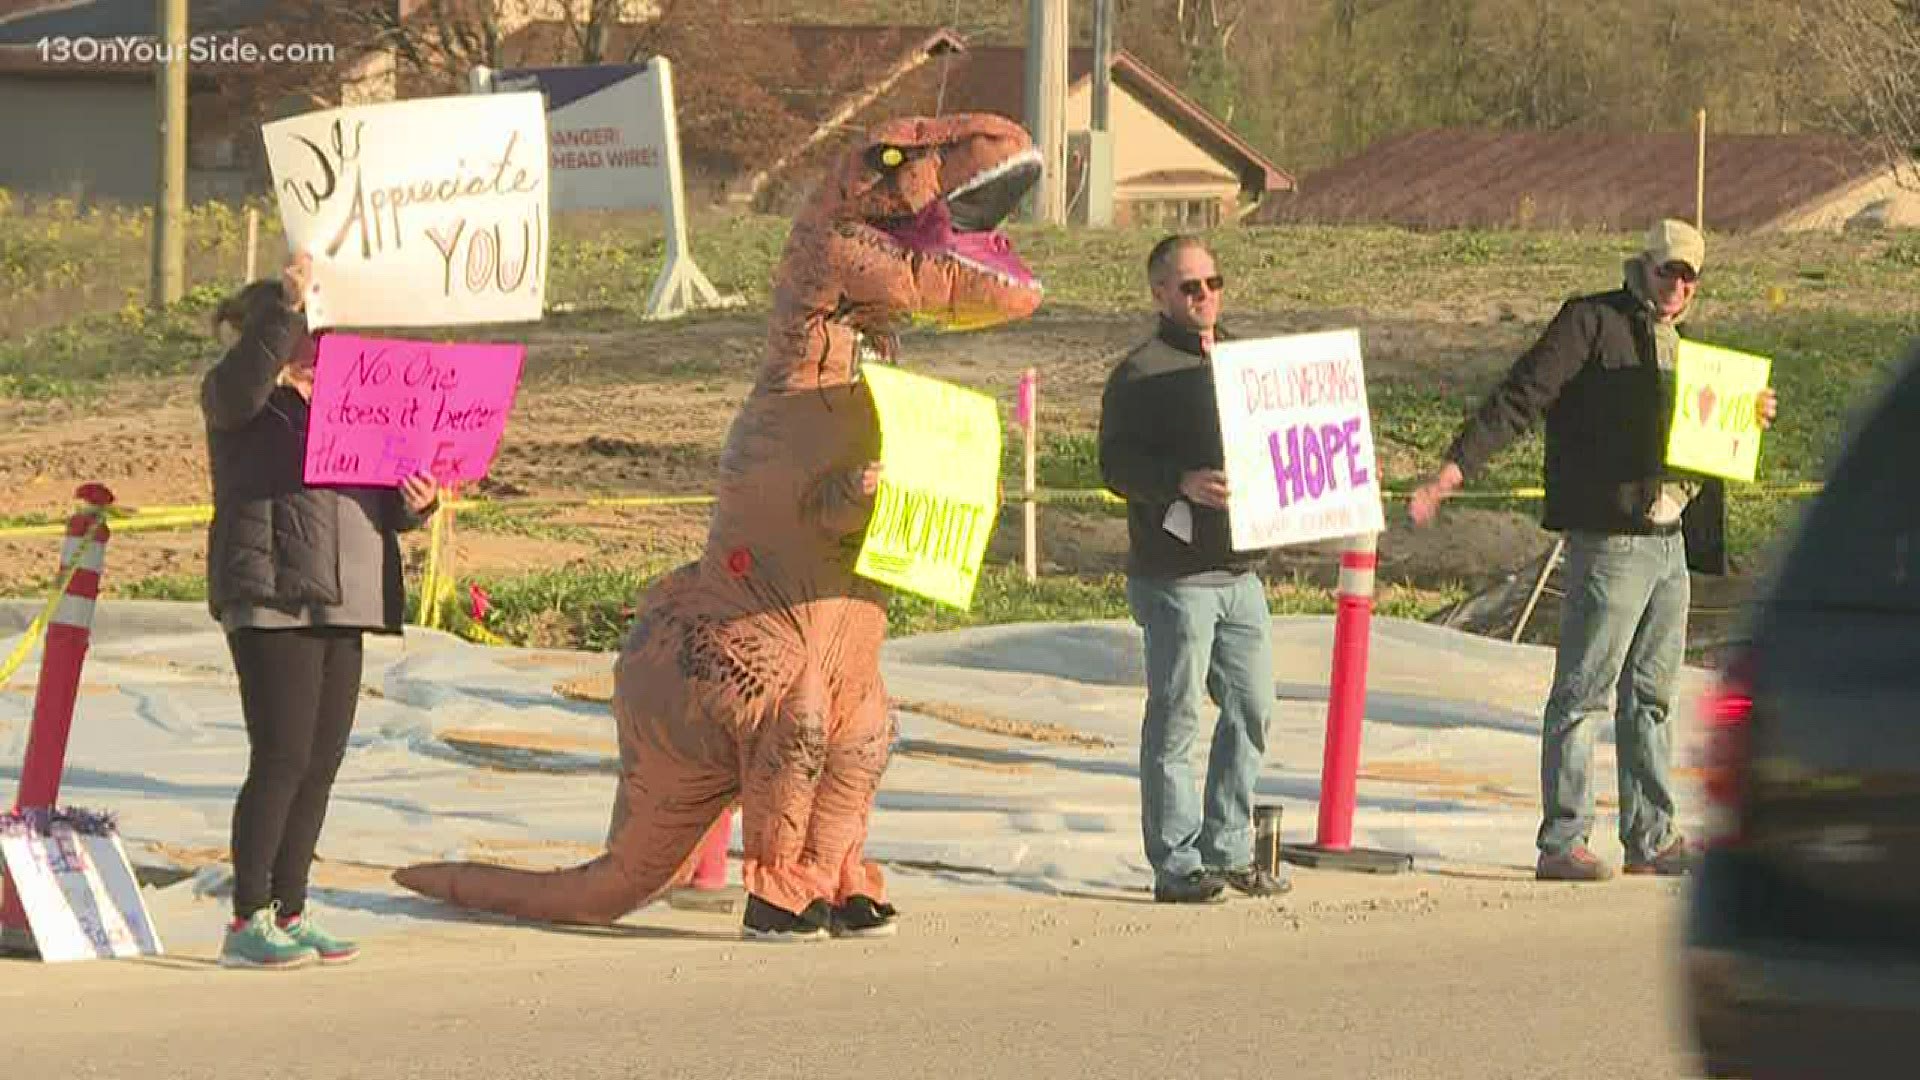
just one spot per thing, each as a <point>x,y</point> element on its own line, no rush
<point>170,194</point>
<point>1700,172</point>
<point>1047,104</point>
<point>1102,62</point>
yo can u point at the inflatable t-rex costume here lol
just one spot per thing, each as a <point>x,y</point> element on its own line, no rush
<point>754,673</point>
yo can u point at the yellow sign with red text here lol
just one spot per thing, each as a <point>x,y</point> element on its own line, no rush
<point>1716,422</point>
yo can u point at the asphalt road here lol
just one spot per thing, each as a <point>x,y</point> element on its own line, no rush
<point>1415,977</point>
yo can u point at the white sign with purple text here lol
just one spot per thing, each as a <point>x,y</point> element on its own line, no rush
<point>1298,439</point>
<point>80,896</point>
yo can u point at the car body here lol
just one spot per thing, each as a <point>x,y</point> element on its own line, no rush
<point>1802,939</point>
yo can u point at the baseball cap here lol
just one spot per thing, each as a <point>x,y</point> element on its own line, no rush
<point>1676,241</point>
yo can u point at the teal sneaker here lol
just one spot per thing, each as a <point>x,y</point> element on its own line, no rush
<point>259,943</point>
<point>332,950</point>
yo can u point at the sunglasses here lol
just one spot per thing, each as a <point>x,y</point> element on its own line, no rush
<point>1195,288</point>
<point>1678,271</point>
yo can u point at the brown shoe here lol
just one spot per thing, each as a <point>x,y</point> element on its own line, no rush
<point>1578,864</point>
<point>1677,859</point>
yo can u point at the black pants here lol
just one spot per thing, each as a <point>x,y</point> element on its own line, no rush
<point>299,690</point>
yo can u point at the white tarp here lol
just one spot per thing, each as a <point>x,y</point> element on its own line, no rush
<point>1449,764</point>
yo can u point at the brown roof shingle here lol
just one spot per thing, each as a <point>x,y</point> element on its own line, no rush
<point>1471,178</point>
<point>835,64</point>
<point>992,79</point>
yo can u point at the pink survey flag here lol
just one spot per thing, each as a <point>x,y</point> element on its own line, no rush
<point>1023,406</point>
<point>384,409</point>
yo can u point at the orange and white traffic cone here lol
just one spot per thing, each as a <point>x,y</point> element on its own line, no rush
<point>69,632</point>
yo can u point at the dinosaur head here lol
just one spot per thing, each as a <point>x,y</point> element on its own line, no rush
<point>912,218</point>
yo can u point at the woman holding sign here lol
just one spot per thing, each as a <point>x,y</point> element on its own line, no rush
<point>296,576</point>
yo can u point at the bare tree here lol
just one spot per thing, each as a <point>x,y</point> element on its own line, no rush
<point>589,25</point>
<point>1873,46</point>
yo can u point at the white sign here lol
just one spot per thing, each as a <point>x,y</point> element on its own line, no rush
<point>1298,439</point>
<point>607,145</point>
<point>614,144</point>
<point>428,212</point>
<point>81,898</point>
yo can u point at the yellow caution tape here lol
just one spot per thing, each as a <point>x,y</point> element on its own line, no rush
<point>159,518</point>
<point>36,628</point>
<point>39,625</point>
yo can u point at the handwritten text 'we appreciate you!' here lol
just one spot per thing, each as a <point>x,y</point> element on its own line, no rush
<point>473,241</point>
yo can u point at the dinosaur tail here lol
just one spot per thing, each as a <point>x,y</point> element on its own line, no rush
<point>594,893</point>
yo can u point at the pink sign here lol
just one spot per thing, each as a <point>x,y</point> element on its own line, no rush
<point>384,409</point>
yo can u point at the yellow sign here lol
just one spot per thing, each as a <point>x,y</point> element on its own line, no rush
<point>939,486</point>
<point>1716,426</point>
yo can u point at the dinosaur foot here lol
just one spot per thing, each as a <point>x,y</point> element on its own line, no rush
<point>768,922</point>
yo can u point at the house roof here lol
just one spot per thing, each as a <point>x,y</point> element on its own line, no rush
<point>1179,176</point>
<point>992,79</point>
<point>1471,178</point>
<point>834,61</point>
<point>838,65</point>
<point>10,8</point>
<point>124,18</point>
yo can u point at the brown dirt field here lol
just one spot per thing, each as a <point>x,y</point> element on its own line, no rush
<point>643,409</point>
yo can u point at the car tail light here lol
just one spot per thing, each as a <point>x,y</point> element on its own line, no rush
<point>1728,712</point>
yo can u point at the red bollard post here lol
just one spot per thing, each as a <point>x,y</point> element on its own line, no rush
<point>1346,714</point>
<point>1347,696</point>
<point>69,632</point>
<point>711,871</point>
<point>706,888</point>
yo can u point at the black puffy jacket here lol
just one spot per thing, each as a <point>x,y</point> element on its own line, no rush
<point>1594,376</point>
<point>273,540</point>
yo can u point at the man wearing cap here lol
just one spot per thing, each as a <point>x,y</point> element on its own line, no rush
<point>1602,376</point>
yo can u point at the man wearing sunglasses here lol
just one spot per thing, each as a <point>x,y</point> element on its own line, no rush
<point>1602,375</point>
<point>1202,606</point>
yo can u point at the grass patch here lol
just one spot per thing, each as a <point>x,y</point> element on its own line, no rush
<point>184,587</point>
<point>590,608</point>
<point>572,608</point>
<point>74,360</point>
<point>72,282</point>
<point>1069,460</point>
<point>499,520</point>
<point>29,521</point>
<point>1004,595</point>
<point>1826,367</point>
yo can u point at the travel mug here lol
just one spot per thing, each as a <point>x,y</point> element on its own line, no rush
<point>1266,838</point>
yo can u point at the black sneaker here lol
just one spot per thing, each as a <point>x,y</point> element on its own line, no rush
<point>1199,887</point>
<point>1254,881</point>
<point>862,916</point>
<point>765,922</point>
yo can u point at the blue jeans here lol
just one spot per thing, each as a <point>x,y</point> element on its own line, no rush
<point>1202,642</point>
<point>1623,632</point>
